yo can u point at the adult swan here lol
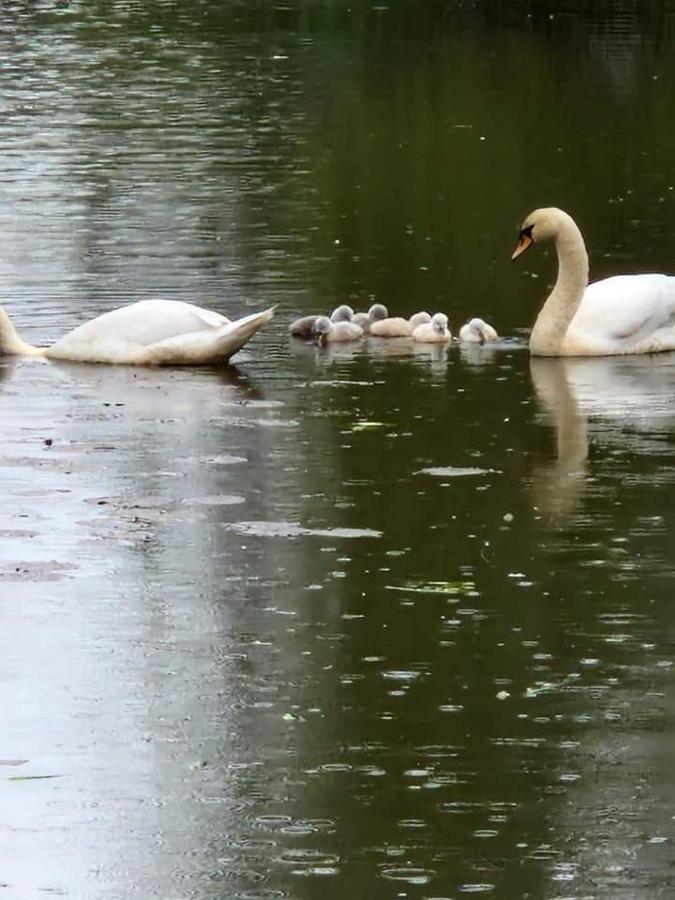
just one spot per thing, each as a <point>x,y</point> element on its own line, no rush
<point>623,314</point>
<point>147,333</point>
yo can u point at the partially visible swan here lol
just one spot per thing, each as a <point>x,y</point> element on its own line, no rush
<point>303,326</point>
<point>147,333</point>
<point>434,332</point>
<point>622,314</point>
<point>376,313</point>
<point>477,331</point>
<point>327,332</point>
<point>397,326</point>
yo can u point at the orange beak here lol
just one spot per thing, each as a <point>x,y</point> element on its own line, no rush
<point>524,243</point>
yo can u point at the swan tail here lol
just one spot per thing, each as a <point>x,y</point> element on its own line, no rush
<point>204,347</point>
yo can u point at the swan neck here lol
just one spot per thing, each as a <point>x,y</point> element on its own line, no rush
<point>562,304</point>
<point>10,342</point>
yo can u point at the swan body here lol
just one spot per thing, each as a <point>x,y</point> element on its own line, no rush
<point>327,332</point>
<point>477,331</point>
<point>397,326</point>
<point>303,326</point>
<point>147,333</point>
<point>434,332</point>
<point>619,315</point>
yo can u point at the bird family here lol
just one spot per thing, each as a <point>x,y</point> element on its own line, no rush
<point>623,314</point>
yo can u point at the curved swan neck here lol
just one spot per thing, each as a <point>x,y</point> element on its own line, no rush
<point>560,308</point>
<point>10,342</point>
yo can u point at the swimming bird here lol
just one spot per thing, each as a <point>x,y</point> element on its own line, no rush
<point>397,326</point>
<point>477,331</point>
<point>327,332</point>
<point>303,326</point>
<point>621,314</point>
<point>434,332</point>
<point>376,313</point>
<point>147,333</point>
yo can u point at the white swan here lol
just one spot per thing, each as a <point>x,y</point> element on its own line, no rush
<point>477,331</point>
<point>622,314</point>
<point>434,332</point>
<point>147,333</point>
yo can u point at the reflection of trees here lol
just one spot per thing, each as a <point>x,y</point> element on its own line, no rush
<point>222,154</point>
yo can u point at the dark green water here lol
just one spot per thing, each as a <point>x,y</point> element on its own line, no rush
<point>264,652</point>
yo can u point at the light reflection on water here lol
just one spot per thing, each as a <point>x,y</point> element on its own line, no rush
<point>264,652</point>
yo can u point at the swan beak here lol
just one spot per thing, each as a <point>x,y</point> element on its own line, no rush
<point>524,243</point>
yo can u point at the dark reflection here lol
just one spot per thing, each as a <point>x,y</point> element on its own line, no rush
<point>7,367</point>
<point>128,381</point>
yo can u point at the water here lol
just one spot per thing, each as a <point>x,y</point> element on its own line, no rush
<point>359,622</point>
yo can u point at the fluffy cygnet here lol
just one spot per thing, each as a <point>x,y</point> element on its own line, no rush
<point>376,313</point>
<point>303,327</point>
<point>327,332</point>
<point>476,331</point>
<point>434,332</point>
<point>397,326</point>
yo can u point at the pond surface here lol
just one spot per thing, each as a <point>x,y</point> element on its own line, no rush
<point>375,621</point>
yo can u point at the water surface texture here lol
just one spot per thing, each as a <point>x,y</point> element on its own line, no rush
<point>375,621</point>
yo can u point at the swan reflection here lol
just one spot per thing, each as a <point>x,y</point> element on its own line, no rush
<point>624,402</point>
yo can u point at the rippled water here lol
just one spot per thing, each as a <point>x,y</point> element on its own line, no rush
<point>372,621</point>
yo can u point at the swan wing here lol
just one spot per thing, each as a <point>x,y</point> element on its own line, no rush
<point>626,314</point>
<point>158,332</point>
<point>140,324</point>
<point>203,347</point>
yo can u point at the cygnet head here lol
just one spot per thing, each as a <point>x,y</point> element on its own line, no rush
<point>377,312</point>
<point>542,225</point>
<point>439,322</point>
<point>420,318</point>
<point>342,313</point>
<point>322,328</point>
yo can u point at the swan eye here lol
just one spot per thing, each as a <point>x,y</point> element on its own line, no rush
<point>527,232</point>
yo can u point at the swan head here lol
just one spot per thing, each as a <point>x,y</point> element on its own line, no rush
<point>541,225</point>
<point>439,322</point>
<point>342,313</point>
<point>377,312</point>
<point>322,328</point>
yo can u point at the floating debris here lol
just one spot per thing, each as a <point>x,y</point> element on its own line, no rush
<point>293,530</point>
<point>457,471</point>
<point>434,587</point>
